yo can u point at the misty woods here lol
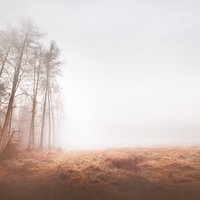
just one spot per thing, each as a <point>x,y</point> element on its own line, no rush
<point>30,98</point>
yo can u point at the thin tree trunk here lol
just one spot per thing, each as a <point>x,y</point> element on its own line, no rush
<point>45,102</point>
<point>6,57</point>
<point>58,126</point>
<point>35,92</point>
<point>49,104</point>
<point>31,137</point>
<point>53,120</point>
<point>10,123</point>
<point>44,114</point>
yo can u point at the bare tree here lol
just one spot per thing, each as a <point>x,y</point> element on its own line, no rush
<point>25,37</point>
<point>52,69</point>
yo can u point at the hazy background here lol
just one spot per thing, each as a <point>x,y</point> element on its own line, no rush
<point>132,68</point>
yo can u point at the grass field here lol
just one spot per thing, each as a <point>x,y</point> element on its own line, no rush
<point>115,174</point>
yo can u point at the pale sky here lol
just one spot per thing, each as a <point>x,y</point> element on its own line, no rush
<point>132,68</point>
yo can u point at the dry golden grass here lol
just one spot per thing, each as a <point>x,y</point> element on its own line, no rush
<point>116,174</point>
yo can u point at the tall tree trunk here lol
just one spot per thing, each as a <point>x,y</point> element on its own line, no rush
<point>10,123</point>
<point>53,120</point>
<point>35,92</point>
<point>44,112</point>
<point>45,101</point>
<point>49,104</point>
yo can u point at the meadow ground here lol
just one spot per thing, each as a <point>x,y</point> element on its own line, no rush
<point>115,174</point>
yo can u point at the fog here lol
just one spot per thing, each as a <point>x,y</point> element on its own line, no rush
<point>131,75</point>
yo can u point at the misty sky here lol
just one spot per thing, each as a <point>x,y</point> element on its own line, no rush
<point>132,68</point>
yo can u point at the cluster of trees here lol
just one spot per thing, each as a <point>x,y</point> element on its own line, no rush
<point>30,98</point>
